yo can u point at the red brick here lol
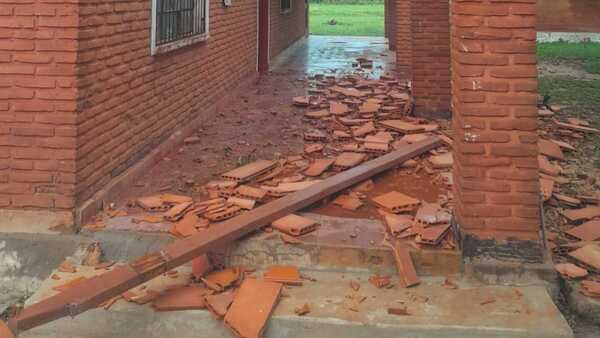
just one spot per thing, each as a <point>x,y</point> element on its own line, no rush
<point>514,151</point>
<point>33,201</point>
<point>514,199</point>
<point>524,124</point>
<point>512,22</point>
<point>487,211</point>
<point>17,45</point>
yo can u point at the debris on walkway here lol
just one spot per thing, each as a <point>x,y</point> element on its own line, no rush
<point>571,199</point>
<point>251,308</point>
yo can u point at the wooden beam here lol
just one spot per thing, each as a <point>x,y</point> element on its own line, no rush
<point>88,294</point>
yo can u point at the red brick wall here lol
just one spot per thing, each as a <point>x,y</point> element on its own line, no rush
<point>82,100</point>
<point>494,89</point>
<point>431,55</point>
<point>403,38</point>
<point>131,101</point>
<point>38,44</point>
<point>286,28</point>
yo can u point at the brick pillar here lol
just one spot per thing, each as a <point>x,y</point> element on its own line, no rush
<point>390,7</point>
<point>494,96</point>
<point>386,14</point>
<point>403,38</point>
<point>431,55</point>
<point>38,105</point>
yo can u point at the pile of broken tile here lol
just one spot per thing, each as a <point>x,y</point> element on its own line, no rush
<point>575,242</point>
<point>349,121</point>
<point>235,295</point>
<point>353,119</point>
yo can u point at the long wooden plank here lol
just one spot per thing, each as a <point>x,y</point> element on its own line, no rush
<point>89,294</point>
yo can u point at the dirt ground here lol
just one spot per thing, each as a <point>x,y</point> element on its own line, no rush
<point>259,122</point>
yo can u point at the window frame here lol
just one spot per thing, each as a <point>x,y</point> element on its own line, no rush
<point>285,10</point>
<point>186,41</point>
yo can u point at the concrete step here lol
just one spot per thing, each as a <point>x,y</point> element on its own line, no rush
<point>471,310</point>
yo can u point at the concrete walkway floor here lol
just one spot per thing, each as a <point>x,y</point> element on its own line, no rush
<point>470,310</point>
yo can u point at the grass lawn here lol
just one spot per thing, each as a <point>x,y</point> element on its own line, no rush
<point>350,19</point>
<point>580,97</point>
<point>586,53</point>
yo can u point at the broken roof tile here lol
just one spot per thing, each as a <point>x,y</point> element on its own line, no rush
<point>432,235</point>
<point>222,278</point>
<point>294,225</point>
<point>589,231</point>
<point>406,269</point>
<point>175,199</point>
<point>441,161</point>
<point>249,171</point>
<point>246,191</point>
<point>574,215</point>
<point>550,149</point>
<point>200,266</point>
<point>150,203</point>
<point>285,274</point>
<point>349,160</point>
<point>403,127</point>
<point>252,307</point>
<point>570,270</point>
<point>432,213</point>
<point>397,223</point>
<point>337,108</point>
<point>396,201</point>
<point>177,211</point>
<point>319,166</point>
<point>184,298</point>
<point>588,255</point>
<point>363,130</point>
<point>219,304</point>
<point>348,202</point>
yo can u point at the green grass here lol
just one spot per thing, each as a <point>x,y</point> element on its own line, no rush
<point>586,53</point>
<point>351,19</point>
<point>581,96</point>
<point>581,99</point>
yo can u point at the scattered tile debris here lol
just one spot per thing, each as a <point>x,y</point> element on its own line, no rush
<point>570,270</point>
<point>302,310</point>
<point>251,308</point>
<point>295,225</point>
<point>288,275</point>
<point>185,298</point>
<point>219,304</point>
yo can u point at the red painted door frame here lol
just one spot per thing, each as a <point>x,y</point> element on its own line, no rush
<point>263,36</point>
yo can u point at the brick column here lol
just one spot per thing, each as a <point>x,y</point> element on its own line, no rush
<point>431,55</point>
<point>403,38</point>
<point>390,14</point>
<point>38,105</point>
<point>494,96</point>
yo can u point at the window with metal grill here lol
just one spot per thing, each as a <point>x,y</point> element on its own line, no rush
<point>178,23</point>
<point>286,5</point>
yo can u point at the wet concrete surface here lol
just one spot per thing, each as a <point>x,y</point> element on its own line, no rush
<point>470,310</point>
<point>335,55</point>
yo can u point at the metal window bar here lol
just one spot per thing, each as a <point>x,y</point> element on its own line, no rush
<point>179,19</point>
